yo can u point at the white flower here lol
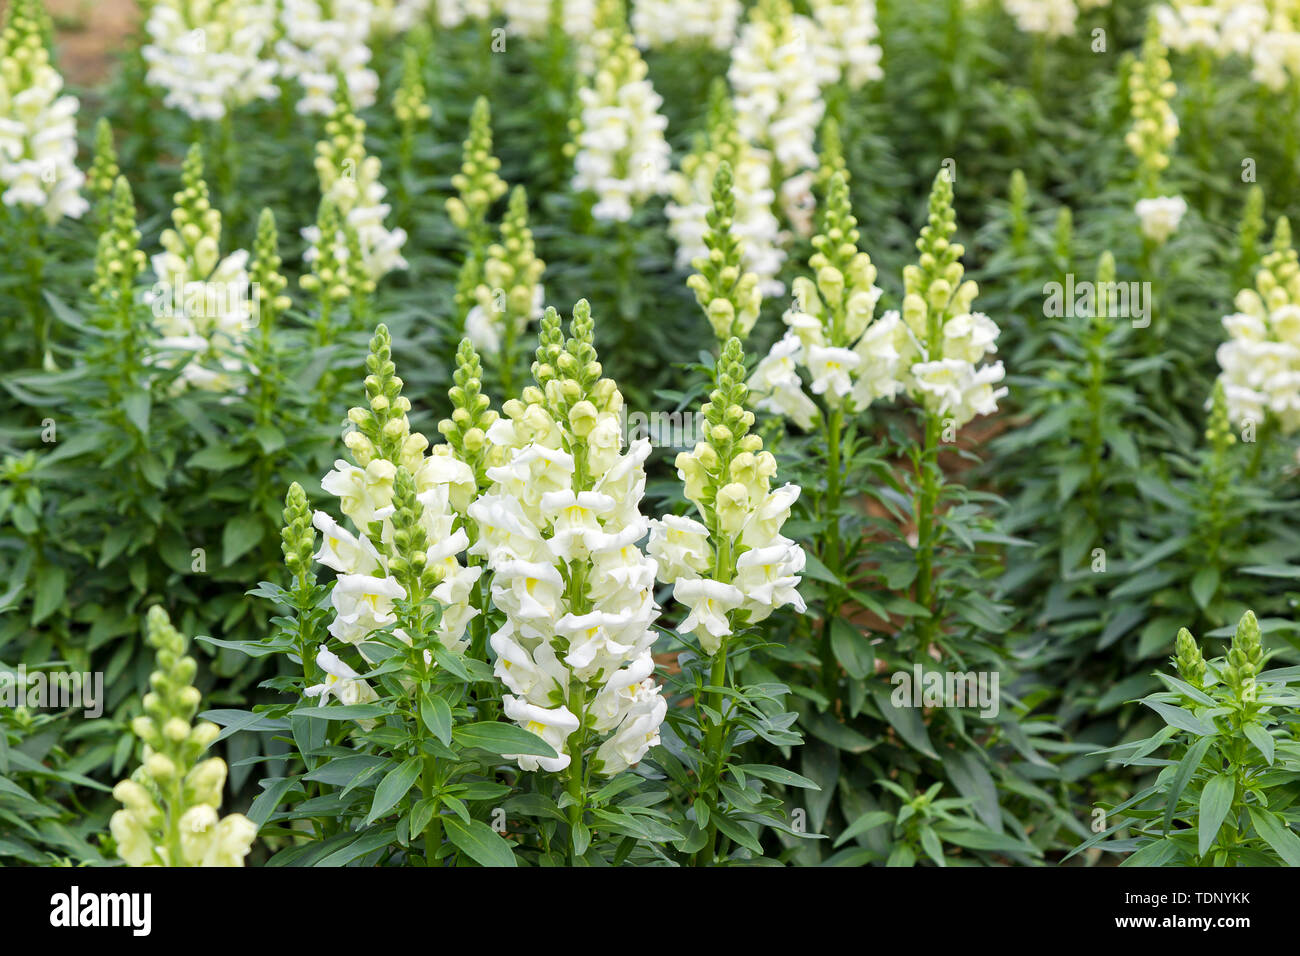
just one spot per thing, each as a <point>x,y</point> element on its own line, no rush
<point>528,18</point>
<point>777,70</point>
<point>847,35</point>
<point>831,369</point>
<point>553,725</point>
<point>1052,18</point>
<point>956,389</point>
<point>320,39</point>
<point>208,55</point>
<point>658,23</point>
<point>708,601</point>
<point>341,551</point>
<point>637,734</point>
<point>341,682</point>
<point>38,133</point>
<point>680,546</point>
<point>1160,217</point>
<point>622,156</point>
<point>362,604</point>
<point>361,491</point>
<point>768,577</point>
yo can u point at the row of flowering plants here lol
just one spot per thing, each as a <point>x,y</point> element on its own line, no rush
<point>816,421</point>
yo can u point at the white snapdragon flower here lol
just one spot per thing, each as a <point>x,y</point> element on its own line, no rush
<point>659,23</point>
<point>350,179</point>
<point>1159,217</point>
<point>622,156</point>
<point>389,17</point>
<point>341,682</point>
<point>529,18</point>
<point>365,592</point>
<point>777,70</point>
<point>202,303</point>
<point>848,39</point>
<point>850,357</point>
<point>691,189</point>
<point>558,528</point>
<point>321,38</point>
<point>1051,18</point>
<point>732,566</point>
<point>38,125</point>
<point>209,54</point>
<point>1260,361</point>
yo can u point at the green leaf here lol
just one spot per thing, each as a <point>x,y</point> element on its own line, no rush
<point>137,405</point>
<point>1204,584</point>
<point>906,720</point>
<point>343,712</point>
<point>1277,834</point>
<point>868,821</point>
<point>241,535</point>
<point>852,649</point>
<point>51,587</point>
<point>1216,800</point>
<point>217,458</point>
<point>479,842</point>
<point>393,787</point>
<point>1186,767</point>
<point>1180,718</point>
<point>436,715</point>
<point>502,739</point>
<point>1262,740</point>
<point>777,775</point>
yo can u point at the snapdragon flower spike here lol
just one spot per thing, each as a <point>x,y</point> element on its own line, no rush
<point>530,18</point>
<point>410,100</point>
<point>103,171</point>
<point>350,180</point>
<point>472,416</point>
<point>210,56</point>
<point>268,282</point>
<point>119,261</point>
<point>170,804</point>
<point>1260,361</point>
<point>1152,136</point>
<point>660,23</point>
<point>322,44</point>
<point>729,295</point>
<point>510,294</point>
<point>691,189</point>
<point>777,70</point>
<point>1245,658</point>
<point>558,528</point>
<point>38,126</point>
<point>850,357</point>
<point>731,566</point>
<point>403,505</point>
<point>477,184</point>
<point>1188,659</point>
<point>201,301</point>
<point>392,17</point>
<point>619,152</point>
<point>1052,19</point>
<point>948,338</point>
<point>847,37</point>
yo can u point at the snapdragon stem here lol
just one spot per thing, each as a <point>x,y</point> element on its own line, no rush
<point>927,465</point>
<point>713,750</point>
<point>834,425</point>
<point>574,781</point>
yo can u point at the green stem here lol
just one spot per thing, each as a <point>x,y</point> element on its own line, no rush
<point>928,466</point>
